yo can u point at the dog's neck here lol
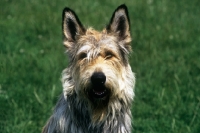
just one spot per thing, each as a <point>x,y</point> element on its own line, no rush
<point>117,120</point>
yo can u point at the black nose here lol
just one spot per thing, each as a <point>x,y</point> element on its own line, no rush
<point>98,78</point>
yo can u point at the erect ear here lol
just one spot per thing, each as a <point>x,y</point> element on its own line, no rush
<point>120,24</point>
<point>71,27</point>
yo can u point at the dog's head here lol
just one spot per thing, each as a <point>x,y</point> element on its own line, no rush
<point>98,61</point>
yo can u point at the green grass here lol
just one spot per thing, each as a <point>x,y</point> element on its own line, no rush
<point>166,60</point>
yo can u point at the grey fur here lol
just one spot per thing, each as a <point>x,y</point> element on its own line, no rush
<point>72,115</point>
<point>75,112</point>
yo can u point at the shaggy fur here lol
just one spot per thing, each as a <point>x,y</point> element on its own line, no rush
<point>98,83</point>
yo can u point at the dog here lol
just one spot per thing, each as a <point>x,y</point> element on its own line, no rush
<point>98,84</point>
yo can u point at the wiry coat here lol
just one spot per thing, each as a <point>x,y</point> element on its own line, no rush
<point>77,111</point>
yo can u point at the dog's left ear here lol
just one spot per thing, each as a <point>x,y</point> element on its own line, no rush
<point>71,26</point>
<point>120,24</point>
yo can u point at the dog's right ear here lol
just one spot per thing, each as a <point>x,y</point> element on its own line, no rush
<point>120,23</point>
<point>71,27</point>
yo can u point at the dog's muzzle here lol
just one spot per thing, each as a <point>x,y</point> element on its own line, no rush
<point>98,88</point>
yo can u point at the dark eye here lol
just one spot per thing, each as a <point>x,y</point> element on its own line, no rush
<point>82,56</point>
<point>109,55</point>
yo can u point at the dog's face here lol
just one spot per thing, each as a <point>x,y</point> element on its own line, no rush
<point>98,65</point>
<point>99,60</point>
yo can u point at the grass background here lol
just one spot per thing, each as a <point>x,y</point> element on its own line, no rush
<point>166,60</point>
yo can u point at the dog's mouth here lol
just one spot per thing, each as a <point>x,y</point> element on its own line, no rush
<point>99,92</point>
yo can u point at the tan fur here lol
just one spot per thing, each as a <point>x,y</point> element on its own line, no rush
<point>98,83</point>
